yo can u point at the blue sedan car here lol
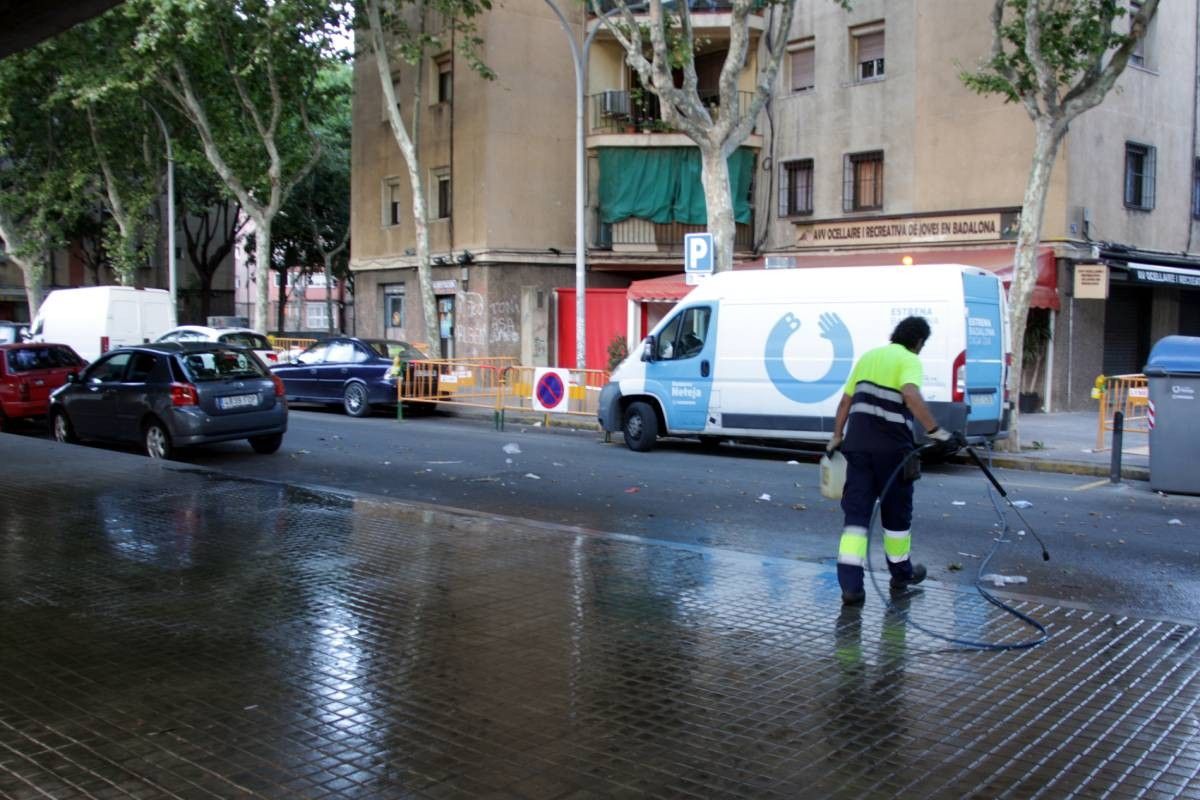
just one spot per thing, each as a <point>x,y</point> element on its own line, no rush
<point>357,373</point>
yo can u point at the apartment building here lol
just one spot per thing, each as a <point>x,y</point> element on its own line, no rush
<point>871,151</point>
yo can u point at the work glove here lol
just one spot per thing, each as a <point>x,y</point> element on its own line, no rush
<point>947,441</point>
<point>835,444</point>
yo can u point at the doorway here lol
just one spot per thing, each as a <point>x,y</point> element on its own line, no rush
<point>445,309</point>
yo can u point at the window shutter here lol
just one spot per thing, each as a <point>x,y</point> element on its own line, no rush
<point>870,47</point>
<point>803,69</point>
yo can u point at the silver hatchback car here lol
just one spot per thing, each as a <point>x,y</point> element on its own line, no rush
<point>171,394</point>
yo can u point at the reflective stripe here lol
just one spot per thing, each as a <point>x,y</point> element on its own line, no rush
<point>852,550</point>
<point>897,544</point>
<point>876,411</point>
<point>866,387</point>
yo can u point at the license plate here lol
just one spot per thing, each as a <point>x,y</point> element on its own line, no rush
<point>237,401</point>
<point>983,399</point>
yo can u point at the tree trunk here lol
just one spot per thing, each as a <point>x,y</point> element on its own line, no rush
<point>329,323</point>
<point>262,257</point>
<point>34,293</point>
<point>281,312</point>
<point>1045,151</point>
<point>719,200</point>
<point>206,279</point>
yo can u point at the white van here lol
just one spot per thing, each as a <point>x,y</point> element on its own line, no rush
<point>96,319</point>
<point>766,353</point>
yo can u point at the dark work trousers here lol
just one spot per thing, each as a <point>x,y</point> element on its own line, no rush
<point>866,475</point>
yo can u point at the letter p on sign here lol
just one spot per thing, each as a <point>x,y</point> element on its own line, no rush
<point>697,257</point>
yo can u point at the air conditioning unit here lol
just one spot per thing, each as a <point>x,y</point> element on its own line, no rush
<point>615,103</point>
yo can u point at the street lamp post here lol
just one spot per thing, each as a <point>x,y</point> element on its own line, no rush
<point>580,58</point>
<point>171,280</point>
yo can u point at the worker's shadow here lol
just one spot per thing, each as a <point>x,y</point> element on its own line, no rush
<point>867,712</point>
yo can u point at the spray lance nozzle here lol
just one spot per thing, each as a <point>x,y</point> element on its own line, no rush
<point>979,463</point>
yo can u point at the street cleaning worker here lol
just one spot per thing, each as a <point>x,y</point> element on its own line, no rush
<point>879,402</point>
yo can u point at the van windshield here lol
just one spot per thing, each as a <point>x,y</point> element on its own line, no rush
<point>220,365</point>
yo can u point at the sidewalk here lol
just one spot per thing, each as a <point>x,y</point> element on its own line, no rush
<point>166,631</point>
<point>1066,442</point>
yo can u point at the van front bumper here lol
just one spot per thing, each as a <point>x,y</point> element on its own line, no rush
<point>608,411</point>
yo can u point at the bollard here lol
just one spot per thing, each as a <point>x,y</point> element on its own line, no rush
<point>402,370</point>
<point>1114,470</point>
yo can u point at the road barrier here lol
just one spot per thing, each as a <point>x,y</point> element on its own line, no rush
<point>289,347</point>
<point>495,384</point>
<point>1129,394</point>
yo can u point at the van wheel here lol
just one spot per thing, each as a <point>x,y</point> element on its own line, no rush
<point>354,400</point>
<point>61,430</point>
<point>640,427</point>
<point>265,445</point>
<point>156,440</point>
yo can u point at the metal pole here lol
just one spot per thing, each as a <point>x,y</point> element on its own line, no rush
<point>580,59</point>
<point>1114,470</point>
<point>171,280</point>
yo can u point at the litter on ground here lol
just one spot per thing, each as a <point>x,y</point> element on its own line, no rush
<point>534,477</point>
<point>512,448</point>
<point>764,496</point>
<point>1022,504</point>
<point>1001,580</point>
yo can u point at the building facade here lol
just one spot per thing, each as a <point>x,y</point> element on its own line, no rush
<point>870,150</point>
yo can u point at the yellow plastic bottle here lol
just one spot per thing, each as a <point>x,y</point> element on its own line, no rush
<point>833,475</point>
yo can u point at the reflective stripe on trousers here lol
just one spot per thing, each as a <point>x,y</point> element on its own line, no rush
<point>852,551</point>
<point>897,544</point>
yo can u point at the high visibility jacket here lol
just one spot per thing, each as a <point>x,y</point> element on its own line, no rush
<point>879,419</point>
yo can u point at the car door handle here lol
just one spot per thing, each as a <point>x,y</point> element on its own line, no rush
<point>704,368</point>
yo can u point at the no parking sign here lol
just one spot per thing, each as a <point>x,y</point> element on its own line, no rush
<point>550,389</point>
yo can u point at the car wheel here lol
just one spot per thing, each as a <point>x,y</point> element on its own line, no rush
<point>640,427</point>
<point>266,445</point>
<point>354,400</point>
<point>156,440</point>
<point>61,430</point>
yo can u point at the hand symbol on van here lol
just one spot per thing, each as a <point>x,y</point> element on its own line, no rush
<point>833,329</point>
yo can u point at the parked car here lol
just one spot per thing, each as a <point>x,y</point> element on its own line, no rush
<point>242,337</point>
<point>11,332</point>
<point>172,394</point>
<point>358,373</point>
<point>29,373</point>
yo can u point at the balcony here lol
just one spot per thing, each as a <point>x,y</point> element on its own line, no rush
<point>621,111</point>
<point>696,6</point>
<point>643,236</point>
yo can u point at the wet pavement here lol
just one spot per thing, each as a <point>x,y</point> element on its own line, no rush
<point>168,631</point>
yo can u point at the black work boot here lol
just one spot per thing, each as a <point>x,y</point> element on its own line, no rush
<point>901,585</point>
<point>853,598</point>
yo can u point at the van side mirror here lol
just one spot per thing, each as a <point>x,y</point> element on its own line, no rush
<point>648,347</point>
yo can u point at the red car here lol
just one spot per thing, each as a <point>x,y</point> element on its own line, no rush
<point>29,373</point>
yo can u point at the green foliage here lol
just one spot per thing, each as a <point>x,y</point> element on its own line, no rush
<point>1074,36</point>
<point>618,351</point>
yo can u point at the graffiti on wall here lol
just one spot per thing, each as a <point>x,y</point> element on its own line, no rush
<point>504,317</point>
<point>472,321</point>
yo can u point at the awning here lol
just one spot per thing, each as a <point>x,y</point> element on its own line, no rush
<point>671,288</point>
<point>1161,275</point>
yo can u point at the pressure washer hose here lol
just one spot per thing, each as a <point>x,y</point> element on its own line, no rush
<point>1005,529</point>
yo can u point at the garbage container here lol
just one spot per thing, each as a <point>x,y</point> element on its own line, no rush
<point>1173,374</point>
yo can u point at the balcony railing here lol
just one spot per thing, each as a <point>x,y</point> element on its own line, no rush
<point>643,235</point>
<point>619,110</point>
<point>693,5</point>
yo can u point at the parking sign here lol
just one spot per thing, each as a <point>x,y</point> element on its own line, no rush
<point>697,257</point>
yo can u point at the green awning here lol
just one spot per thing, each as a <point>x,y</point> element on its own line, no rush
<point>662,184</point>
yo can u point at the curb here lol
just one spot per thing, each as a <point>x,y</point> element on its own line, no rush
<point>1132,473</point>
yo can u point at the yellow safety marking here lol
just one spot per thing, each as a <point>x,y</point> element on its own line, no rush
<point>1092,485</point>
<point>577,392</point>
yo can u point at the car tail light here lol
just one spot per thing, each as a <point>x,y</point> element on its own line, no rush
<point>273,357</point>
<point>1007,370</point>
<point>103,344</point>
<point>280,391</point>
<point>958,378</point>
<point>184,394</point>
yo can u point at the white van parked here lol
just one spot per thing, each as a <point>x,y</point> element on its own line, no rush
<point>765,354</point>
<point>96,319</point>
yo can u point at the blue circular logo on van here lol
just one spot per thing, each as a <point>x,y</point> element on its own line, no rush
<point>833,329</point>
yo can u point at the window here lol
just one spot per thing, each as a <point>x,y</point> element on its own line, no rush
<point>796,188</point>
<point>340,353</point>
<point>1196,189</point>
<point>445,78</point>
<point>862,182</point>
<point>142,368</point>
<point>314,354</point>
<point>867,49</point>
<point>1141,51</point>
<point>684,336</point>
<point>315,316</point>
<point>441,188</point>
<point>1139,176</point>
<point>804,62</point>
<point>391,202</point>
<point>393,306</point>
<point>110,370</point>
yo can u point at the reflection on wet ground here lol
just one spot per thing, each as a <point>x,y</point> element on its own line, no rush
<point>173,633</point>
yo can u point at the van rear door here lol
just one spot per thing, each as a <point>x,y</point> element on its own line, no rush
<point>985,354</point>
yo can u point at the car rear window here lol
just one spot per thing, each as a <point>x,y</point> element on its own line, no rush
<point>393,349</point>
<point>31,358</point>
<point>255,341</point>
<point>219,365</point>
